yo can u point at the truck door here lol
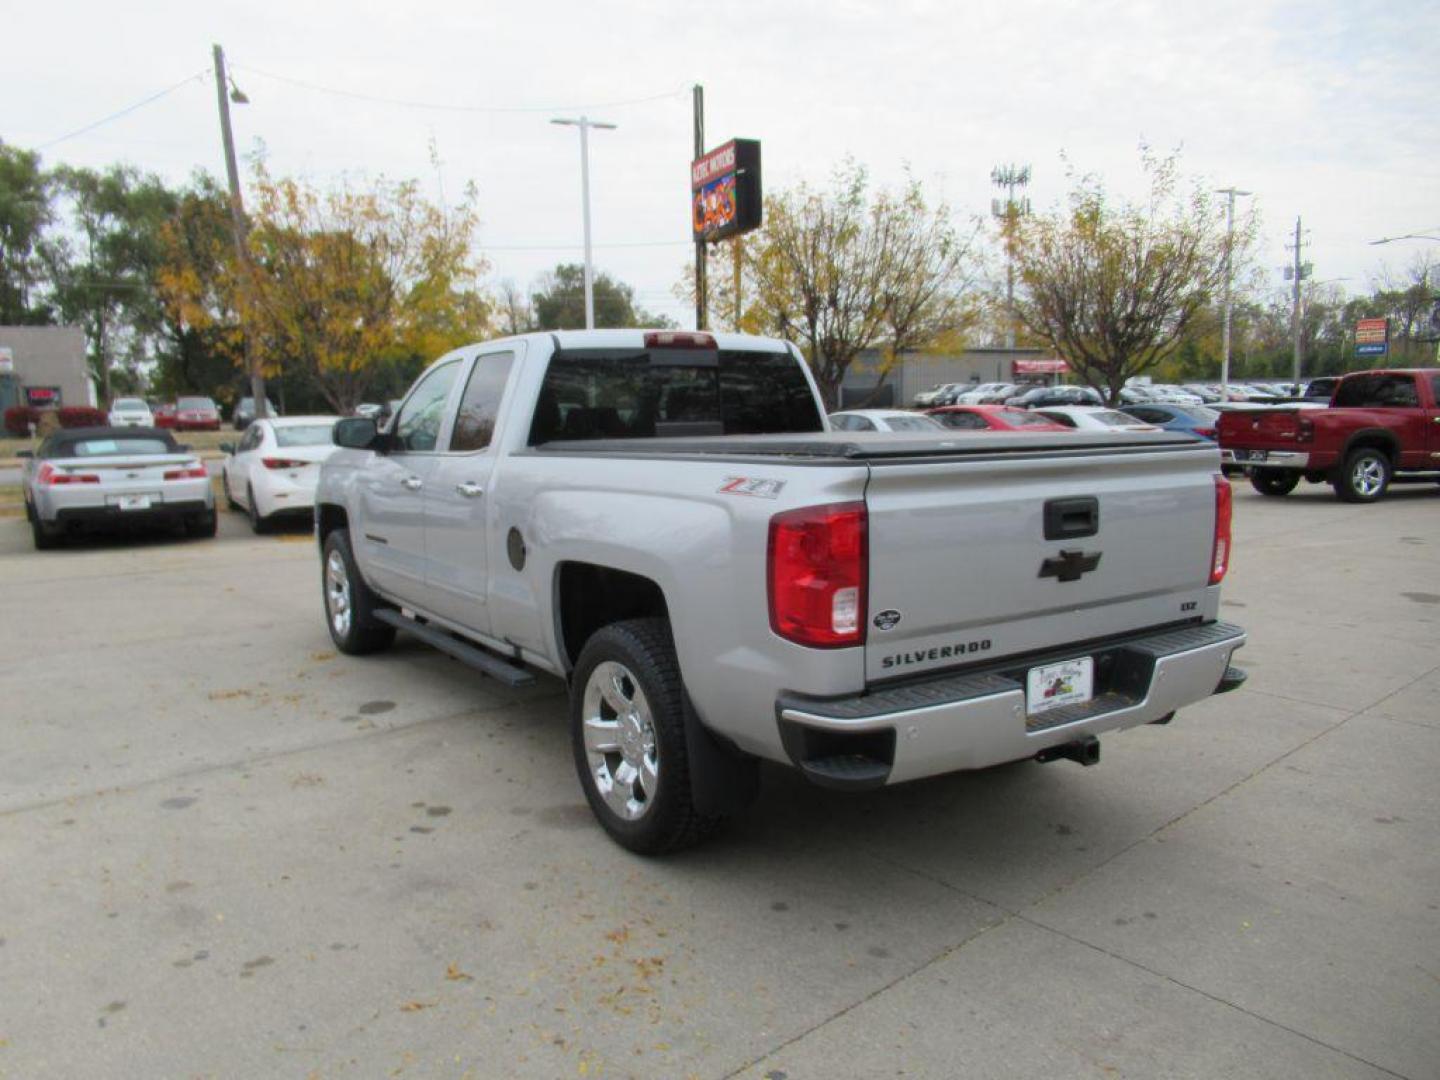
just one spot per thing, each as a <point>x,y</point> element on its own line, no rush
<point>391,540</point>
<point>458,506</point>
<point>1433,433</point>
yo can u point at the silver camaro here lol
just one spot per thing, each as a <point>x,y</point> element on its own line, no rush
<point>109,477</point>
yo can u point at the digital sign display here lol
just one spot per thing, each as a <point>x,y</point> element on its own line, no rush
<point>725,193</point>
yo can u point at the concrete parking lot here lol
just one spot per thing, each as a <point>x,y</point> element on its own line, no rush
<point>228,851</point>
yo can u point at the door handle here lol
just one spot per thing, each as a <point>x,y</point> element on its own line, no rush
<point>470,489</point>
<point>412,483</point>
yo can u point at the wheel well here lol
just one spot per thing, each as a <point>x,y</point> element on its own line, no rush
<point>328,518</point>
<point>1380,440</point>
<point>589,597</point>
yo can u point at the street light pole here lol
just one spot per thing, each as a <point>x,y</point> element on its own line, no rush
<point>237,220</point>
<point>1230,193</point>
<point>585,124</point>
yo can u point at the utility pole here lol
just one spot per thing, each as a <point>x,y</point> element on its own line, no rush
<point>585,124</point>
<point>697,103</point>
<point>1009,212</point>
<point>238,227</point>
<point>1298,273</point>
<point>1230,193</point>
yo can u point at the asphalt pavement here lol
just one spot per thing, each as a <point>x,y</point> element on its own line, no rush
<point>228,851</point>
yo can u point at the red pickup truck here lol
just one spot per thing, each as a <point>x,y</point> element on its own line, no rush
<point>1381,425</point>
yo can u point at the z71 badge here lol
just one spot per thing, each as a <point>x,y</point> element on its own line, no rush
<point>754,486</point>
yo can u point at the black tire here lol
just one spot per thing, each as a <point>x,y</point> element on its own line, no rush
<point>362,633</point>
<point>202,524</point>
<point>46,537</point>
<point>258,524</point>
<point>1274,482</point>
<point>230,503</point>
<point>669,821</point>
<point>1364,477</point>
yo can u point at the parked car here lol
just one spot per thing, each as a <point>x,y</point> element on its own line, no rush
<point>1045,396</point>
<point>1175,395</point>
<point>992,418</point>
<point>196,414</point>
<point>927,397</point>
<point>272,473</point>
<point>1094,418</point>
<point>164,414</point>
<point>881,420</point>
<point>662,519</point>
<point>1322,387</point>
<point>99,478</point>
<point>971,393</point>
<point>130,412</point>
<point>244,412</point>
<point>1379,426</point>
<point>998,394</point>
<point>1194,419</point>
<point>1207,394</point>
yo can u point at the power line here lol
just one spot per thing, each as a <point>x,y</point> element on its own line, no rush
<point>450,107</point>
<point>127,110</point>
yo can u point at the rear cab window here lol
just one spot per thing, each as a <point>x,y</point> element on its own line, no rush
<point>658,393</point>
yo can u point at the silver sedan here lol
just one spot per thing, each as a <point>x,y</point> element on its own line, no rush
<point>106,477</point>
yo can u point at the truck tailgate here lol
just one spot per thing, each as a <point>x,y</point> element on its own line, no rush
<point>961,569</point>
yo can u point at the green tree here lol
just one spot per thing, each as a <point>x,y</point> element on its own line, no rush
<point>25,211</point>
<point>557,302</point>
<point>1114,287</point>
<point>103,272</point>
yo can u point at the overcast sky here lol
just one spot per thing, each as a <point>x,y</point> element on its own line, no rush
<point>1323,108</point>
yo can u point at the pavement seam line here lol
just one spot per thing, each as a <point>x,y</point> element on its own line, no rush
<point>1206,994</point>
<point>277,755</point>
<point>839,1013</point>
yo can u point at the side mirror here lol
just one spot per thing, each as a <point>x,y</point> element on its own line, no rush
<point>356,433</point>
<point>227,448</point>
<point>24,453</point>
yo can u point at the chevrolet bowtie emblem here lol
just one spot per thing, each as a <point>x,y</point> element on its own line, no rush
<point>1069,565</point>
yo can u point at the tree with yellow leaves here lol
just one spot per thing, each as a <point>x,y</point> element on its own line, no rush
<point>341,282</point>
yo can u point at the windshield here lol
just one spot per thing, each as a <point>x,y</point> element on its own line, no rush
<point>1117,419</point>
<point>655,393</point>
<point>911,423</point>
<point>195,403</point>
<point>121,445</point>
<point>306,435</point>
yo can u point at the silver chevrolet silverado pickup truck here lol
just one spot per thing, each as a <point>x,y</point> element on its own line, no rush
<point>663,520</point>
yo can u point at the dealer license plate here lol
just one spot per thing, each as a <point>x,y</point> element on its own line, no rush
<point>1251,455</point>
<point>133,502</point>
<point>1069,682</point>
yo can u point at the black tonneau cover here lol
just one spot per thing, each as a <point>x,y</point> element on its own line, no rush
<point>876,446</point>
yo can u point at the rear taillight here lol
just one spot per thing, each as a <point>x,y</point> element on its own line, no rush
<point>1304,429</point>
<point>192,471</point>
<point>282,463</point>
<point>1220,552</point>
<point>679,339</point>
<point>49,476</point>
<point>817,575</point>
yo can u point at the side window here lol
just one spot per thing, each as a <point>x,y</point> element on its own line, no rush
<point>1435,389</point>
<point>418,426</point>
<point>475,421</point>
<point>1398,392</point>
<point>861,423</point>
<point>251,439</point>
<point>840,423</point>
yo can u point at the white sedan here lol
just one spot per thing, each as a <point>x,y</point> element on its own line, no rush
<point>130,412</point>
<point>882,420</point>
<point>1094,418</point>
<point>274,469</point>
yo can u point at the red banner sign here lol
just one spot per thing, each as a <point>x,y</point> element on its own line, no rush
<point>1041,367</point>
<point>1372,331</point>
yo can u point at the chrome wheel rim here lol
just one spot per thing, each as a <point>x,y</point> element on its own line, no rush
<point>1368,476</point>
<point>620,744</point>
<point>337,594</point>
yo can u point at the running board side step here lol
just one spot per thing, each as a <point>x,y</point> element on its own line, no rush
<point>470,655</point>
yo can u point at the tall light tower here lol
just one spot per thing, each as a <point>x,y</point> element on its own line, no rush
<point>1008,211</point>
<point>1230,194</point>
<point>1297,274</point>
<point>585,124</point>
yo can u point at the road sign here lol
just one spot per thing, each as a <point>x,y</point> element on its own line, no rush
<point>1372,337</point>
<point>1379,348</point>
